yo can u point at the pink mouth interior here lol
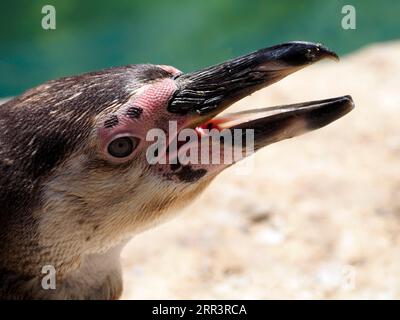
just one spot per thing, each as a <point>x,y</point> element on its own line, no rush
<point>203,130</point>
<point>209,125</point>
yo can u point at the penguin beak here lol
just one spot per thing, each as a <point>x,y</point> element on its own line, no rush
<point>203,94</point>
<point>278,123</point>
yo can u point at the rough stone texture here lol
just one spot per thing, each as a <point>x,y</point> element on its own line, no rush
<point>319,216</point>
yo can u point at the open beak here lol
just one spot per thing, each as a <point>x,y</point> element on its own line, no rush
<point>203,94</point>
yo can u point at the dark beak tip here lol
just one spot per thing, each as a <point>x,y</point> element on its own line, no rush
<point>346,103</point>
<point>300,53</point>
<point>324,52</point>
<point>330,112</point>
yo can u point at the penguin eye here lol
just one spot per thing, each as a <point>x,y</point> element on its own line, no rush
<point>122,147</point>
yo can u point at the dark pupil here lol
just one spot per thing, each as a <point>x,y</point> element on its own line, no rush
<point>121,147</point>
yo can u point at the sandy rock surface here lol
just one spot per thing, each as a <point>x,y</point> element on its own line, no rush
<point>317,216</point>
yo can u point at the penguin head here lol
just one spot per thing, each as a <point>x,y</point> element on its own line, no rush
<point>110,153</point>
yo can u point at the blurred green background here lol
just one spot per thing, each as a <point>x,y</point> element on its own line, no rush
<point>187,34</point>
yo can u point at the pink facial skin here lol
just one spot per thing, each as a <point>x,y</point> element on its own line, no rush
<point>143,112</point>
